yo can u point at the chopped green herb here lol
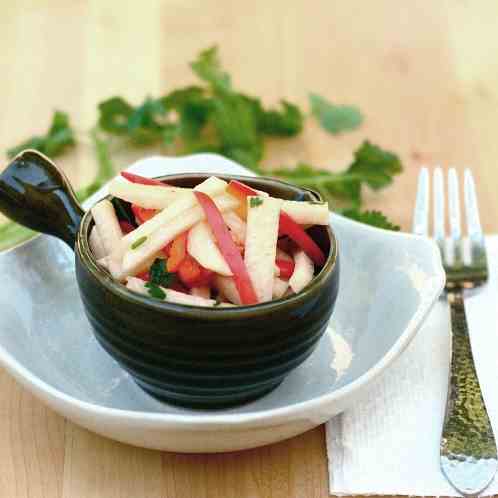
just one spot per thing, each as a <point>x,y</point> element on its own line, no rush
<point>255,201</point>
<point>138,242</point>
<point>155,291</point>
<point>159,275</point>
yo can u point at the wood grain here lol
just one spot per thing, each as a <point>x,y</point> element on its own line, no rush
<point>425,74</point>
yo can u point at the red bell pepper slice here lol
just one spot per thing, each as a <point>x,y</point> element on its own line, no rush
<point>177,252</point>
<point>240,191</point>
<point>142,214</point>
<point>142,180</point>
<point>126,227</point>
<point>144,276</point>
<point>228,249</point>
<point>286,268</point>
<point>192,274</point>
<point>287,226</point>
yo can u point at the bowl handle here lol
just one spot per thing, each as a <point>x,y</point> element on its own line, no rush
<point>36,194</point>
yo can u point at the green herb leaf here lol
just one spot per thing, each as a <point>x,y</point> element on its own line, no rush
<point>334,118</point>
<point>145,124</point>
<point>138,242</point>
<point>159,275</point>
<point>59,136</point>
<point>255,201</point>
<point>373,218</point>
<point>374,165</point>
<point>286,122</point>
<point>208,68</point>
<point>155,291</point>
<point>371,166</point>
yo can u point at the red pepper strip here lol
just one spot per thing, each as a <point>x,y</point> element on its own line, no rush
<point>290,228</point>
<point>177,252</point>
<point>286,268</point>
<point>142,214</point>
<point>287,226</point>
<point>126,227</point>
<point>142,180</point>
<point>228,249</point>
<point>144,276</point>
<point>242,188</point>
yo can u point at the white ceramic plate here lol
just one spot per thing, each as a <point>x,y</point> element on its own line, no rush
<point>389,282</point>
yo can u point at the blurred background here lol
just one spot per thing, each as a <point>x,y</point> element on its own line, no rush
<point>424,74</point>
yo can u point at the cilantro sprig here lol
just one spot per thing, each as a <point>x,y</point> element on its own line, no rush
<point>213,116</point>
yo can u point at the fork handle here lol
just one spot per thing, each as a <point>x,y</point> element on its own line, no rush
<point>468,448</point>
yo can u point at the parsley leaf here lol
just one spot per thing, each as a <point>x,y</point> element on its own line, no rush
<point>155,291</point>
<point>208,68</point>
<point>286,122</point>
<point>59,136</point>
<point>334,118</point>
<point>375,165</point>
<point>159,275</point>
<point>373,218</point>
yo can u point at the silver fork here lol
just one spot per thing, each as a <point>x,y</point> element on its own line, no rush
<point>467,449</point>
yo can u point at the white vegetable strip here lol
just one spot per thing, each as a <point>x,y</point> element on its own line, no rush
<point>226,305</point>
<point>147,196</point>
<point>203,291</point>
<point>212,184</point>
<point>307,213</point>
<point>203,248</point>
<point>237,227</point>
<point>227,287</point>
<point>96,244</point>
<point>303,272</point>
<point>261,244</point>
<point>134,259</point>
<point>138,285</point>
<point>107,225</point>
<point>279,288</point>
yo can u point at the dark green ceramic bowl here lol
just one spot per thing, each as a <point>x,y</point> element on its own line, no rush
<point>187,355</point>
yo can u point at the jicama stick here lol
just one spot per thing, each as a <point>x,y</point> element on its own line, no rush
<point>226,286</point>
<point>236,225</point>
<point>172,296</point>
<point>96,245</point>
<point>261,243</point>
<point>307,213</point>
<point>212,184</point>
<point>107,225</point>
<point>148,196</point>
<point>203,248</point>
<point>303,272</point>
<point>135,258</point>
<point>279,288</point>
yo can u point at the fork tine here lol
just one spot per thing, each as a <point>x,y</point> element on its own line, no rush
<point>421,214</point>
<point>454,215</point>
<point>472,214</point>
<point>438,221</point>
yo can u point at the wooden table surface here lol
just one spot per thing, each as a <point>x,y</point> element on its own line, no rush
<point>425,74</point>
